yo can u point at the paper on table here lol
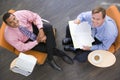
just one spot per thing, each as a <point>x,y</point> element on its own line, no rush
<point>23,64</point>
<point>81,34</point>
<point>26,62</point>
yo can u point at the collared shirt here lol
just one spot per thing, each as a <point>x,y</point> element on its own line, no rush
<point>17,39</point>
<point>106,33</point>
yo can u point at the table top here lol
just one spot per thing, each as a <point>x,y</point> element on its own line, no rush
<point>101,58</point>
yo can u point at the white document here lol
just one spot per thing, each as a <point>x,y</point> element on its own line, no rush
<point>24,64</point>
<point>81,34</point>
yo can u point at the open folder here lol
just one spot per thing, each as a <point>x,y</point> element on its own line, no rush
<point>23,64</point>
<point>81,34</point>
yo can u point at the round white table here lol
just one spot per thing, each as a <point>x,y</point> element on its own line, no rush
<point>101,58</point>
<point>13,63</point>
<point>23,64</point>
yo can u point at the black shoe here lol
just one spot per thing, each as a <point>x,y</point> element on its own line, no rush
<point>54,65</point>
<point>67,59</point>
<point>69,48</point>
<point>66,41</point>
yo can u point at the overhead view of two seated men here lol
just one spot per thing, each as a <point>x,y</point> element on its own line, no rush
<point>26,31</point>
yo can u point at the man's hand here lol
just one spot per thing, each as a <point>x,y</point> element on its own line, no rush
<point>77,21</point>
<point>86,48</point>
<point>41,36</point>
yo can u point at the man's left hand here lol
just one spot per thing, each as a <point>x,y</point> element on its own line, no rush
<point>41,36</point>
<point>86,48</point>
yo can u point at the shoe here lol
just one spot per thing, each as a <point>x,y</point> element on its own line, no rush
<point>69,48</point>
<point>66,41</point>
<point>54,65</point>
<point>67,59</point>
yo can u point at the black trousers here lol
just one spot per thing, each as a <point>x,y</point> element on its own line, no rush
<point>81,55</point>
<point>50,46</point>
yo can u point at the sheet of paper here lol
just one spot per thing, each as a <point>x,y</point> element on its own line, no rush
<point>81,34</point>
<point>26,62</point>
<point>23,64</point>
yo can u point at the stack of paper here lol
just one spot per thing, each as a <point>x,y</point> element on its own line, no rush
<point>23,64</point>
<point>81,34</point>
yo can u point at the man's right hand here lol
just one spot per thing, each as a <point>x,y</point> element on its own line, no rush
<point>41,39</point>
<point>77,21</point>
